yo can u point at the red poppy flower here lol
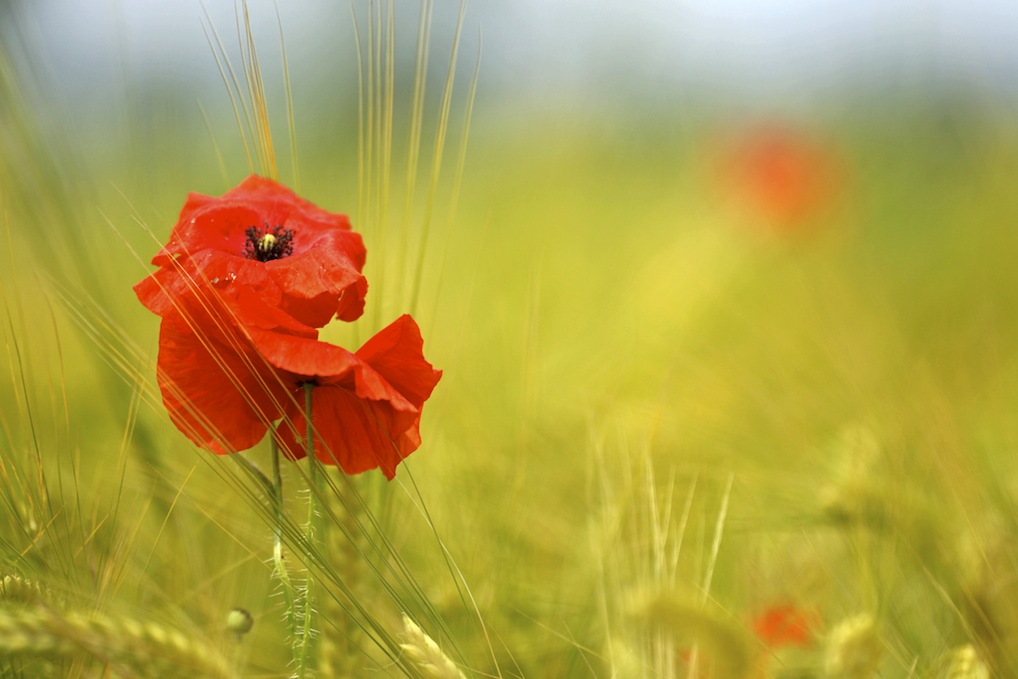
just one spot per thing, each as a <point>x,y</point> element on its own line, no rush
<point>783,175</point>
<point>230,368</point>
<point>262,237</point>
<point>785,625</point>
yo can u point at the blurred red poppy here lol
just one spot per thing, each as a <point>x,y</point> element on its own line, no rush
<point>783,175</point>
<point>262,237</point>
<point>230,366</point>
<point>785,625</point>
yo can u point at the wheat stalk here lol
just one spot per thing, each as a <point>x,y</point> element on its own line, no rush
<point>339,650</point>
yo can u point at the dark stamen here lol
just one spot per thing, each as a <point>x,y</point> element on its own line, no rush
<point>268,243</point>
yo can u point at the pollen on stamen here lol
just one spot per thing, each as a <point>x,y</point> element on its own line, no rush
<point>269,243</point>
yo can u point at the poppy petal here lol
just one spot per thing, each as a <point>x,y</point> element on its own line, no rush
<point>351,432</point>
<point>325,279</point>
<point>366,407</point>
<point>218,391</point>
<point>214,268</point>
<point>216,226</point>
<point>396,353</point>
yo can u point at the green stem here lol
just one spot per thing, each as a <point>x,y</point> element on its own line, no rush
<point>312,536</point>
<point>277,540</point>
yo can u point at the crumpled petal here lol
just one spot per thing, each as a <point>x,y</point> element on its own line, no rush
<point>366,407</point>
<point>350,432</point>
<point>222,271</point>
<point>323,279</point>
<point>396,353</point>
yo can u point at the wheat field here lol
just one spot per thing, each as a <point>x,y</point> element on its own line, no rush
<point>718,399</point>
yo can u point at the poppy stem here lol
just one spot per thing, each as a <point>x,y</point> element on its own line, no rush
<point>312,535</point>
<point>277,539</point>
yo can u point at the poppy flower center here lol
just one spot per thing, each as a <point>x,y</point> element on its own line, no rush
<point>267,244</point>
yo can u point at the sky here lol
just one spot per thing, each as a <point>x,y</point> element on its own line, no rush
<point>756,49</point>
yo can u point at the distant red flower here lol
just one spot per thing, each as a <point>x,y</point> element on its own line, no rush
<point>785,625</point>
<point>262,237</point>
<point>783,175</point>
<point>228,367</point>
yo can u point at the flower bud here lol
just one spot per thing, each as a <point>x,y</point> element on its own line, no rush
<point>239,621</point>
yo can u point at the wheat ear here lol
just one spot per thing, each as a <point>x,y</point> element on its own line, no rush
<point>964,662</point>
<point>14,588</point>
<point>691,623</point>
<point>151,649</point>
<point>854,649</point>
<point>424,654</point>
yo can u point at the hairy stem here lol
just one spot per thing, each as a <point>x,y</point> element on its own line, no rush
<point>279,566</point>
<point>312,534</point>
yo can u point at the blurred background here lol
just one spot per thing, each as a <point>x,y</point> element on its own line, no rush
<point>608,56</point>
